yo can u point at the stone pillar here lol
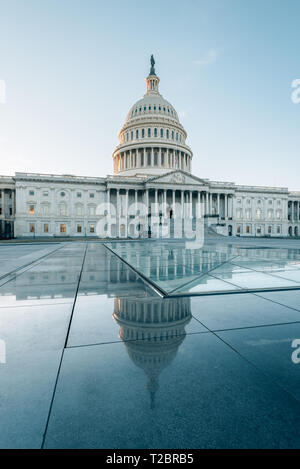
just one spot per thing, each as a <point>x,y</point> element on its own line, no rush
<point>191,204</point>
<point>173,201</point>
<point>199,214</point>
<point>118,213</point>
<point>3,203</point>
<point>182,204</point>
<point>218,195</point>
<point>126,203</point>
<point>136,201</point>
<point>226,206</point>
<point>206,204</point>
<point>108,201</point>
<point>156,200</point>
<point>165,202</point>
<point>13,203</point>
<point>210,203</point>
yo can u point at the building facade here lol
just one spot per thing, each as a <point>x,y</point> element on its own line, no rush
<point>7,207</point>
<point>152,180</point>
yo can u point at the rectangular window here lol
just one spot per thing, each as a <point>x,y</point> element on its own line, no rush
<point>45,194</point>
<point>92,211</point>
<point>63,228</point>
<point>92,228</point>
<point>79,229</point>
<point>278,230</point>
<point>78,195</point>
<point>31,209</point>
<point>92,195</point>
<point>31,228</point>
<point>10,211</point>
<point>46,228</point>
<point>31,192</point>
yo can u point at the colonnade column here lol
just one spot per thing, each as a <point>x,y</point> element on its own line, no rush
<point>108,201</point>
<point>182,204</point>
<point>199,215</point>
<point>191,204</point>
<point>136,201</point>
<point>218,195</point>
<point>118,211</point>
<point>226,206</point>
<point>3,203</point>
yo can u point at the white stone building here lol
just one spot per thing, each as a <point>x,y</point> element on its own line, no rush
<point>152,179</point>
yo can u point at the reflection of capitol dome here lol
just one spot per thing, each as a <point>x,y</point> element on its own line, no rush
<point>152,140</point>
<point>152,332</point>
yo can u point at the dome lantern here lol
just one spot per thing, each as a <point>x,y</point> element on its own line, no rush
<point>152,80</point>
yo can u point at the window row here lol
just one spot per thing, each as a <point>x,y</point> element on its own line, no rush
<point>259,202</point>
<point>155,132</point>
<point>258,230</point>
<point>150,108</point>
<point>258,214</point>
<point>63,228</point>
<point>62,194</point>
<point>62,210</point>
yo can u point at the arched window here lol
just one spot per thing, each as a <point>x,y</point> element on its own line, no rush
<point>161,133</point>
<point>62,209</point>
<point>143,133</point>
<point>137,134</point>
<point>172,134</point>
<point>155,132</point>
<point>149,132</point>
<point>167,133</point>
<point>258,214</point>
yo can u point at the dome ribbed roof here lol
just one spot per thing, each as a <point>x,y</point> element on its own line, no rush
<point>152,105</point>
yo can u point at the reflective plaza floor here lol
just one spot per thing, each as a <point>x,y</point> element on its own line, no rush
<point>150,344</point>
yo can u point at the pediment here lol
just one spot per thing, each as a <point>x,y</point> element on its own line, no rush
<point>178,177</point>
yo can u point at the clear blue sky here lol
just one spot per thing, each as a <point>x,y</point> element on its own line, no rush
<point>73,68</point>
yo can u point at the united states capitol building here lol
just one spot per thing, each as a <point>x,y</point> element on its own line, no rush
<point>151,185</point>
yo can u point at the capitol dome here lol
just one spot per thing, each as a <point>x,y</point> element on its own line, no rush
<point>152,140</point>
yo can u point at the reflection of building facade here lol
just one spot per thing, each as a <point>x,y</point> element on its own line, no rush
<point>7,207</point>
<point>152,165</point>
<point>114,278</point>
<point>152,331</point>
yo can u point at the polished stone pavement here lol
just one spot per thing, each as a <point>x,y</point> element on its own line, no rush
<point>150,344</point>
